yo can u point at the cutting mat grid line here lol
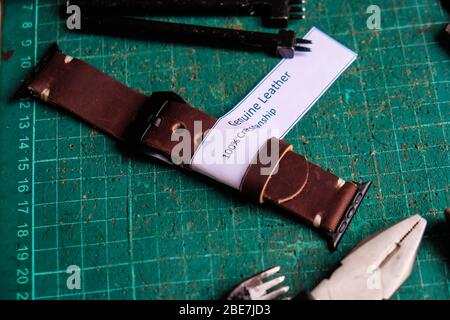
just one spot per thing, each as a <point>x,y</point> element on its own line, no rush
<point>141,230</point>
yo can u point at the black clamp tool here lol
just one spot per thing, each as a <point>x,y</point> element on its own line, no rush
<point>276,13</point>
<point>284,43</point>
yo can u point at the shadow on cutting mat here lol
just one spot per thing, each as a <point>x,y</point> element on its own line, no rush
<point>443,38</point>
<point>446,5</point>
<point>439,237</point>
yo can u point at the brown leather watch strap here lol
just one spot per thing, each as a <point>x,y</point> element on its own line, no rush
<point>148,122</point>
<point>302,188</point>
<point>86,92</point>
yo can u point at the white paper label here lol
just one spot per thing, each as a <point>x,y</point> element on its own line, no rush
<point>274,106</point>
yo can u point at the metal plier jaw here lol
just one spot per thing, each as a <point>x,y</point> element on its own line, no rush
<point>377,267</point>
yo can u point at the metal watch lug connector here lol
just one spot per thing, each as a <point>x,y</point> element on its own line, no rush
<point>335,237</point>
<point>146,118</point>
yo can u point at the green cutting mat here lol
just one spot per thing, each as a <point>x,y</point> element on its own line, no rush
<point>139,230</point>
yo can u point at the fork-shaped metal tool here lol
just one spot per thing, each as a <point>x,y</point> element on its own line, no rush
<point>284,43</point>
<point>276,13</point>
<point>259,288</point>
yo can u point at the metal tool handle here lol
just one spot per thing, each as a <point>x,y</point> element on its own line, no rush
<point>276,13</point>
<point>151,29</point>
<point>244,6</point>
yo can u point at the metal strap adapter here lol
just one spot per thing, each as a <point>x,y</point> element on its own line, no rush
<point>147,118</point>
<point>335,237</point>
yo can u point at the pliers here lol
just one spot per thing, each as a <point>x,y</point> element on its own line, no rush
<point>377,267</point>
<point>373,270</point>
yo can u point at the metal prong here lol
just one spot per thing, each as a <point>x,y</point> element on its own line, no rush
<point>268,272</point>
<point>269,284</point>
<point>302,49</point>
<point>254,288</point>
<point>297,9</point>
<point>274,294</point>
<point>303,41</point>
<point>297,16</point>
<point>297,2</point>
<point>299,47</point>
